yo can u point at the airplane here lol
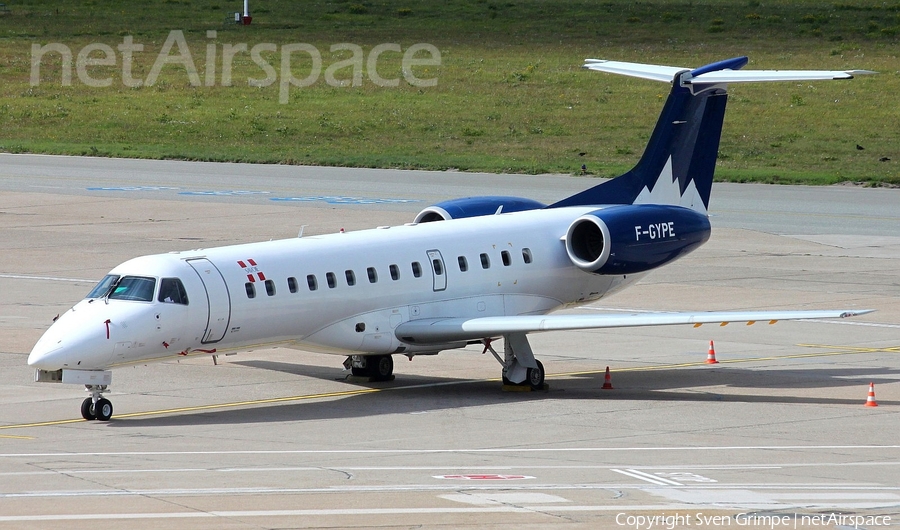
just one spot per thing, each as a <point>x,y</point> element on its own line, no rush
<point>465,271</point>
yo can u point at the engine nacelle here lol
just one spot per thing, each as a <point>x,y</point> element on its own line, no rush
<point>627,239</point>
<point>475,207</point>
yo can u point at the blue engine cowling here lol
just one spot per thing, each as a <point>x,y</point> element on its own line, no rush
<point>627,239</point>
<point>475,207</point>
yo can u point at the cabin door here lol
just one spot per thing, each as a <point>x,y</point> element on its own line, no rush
<point>438,269</point>
<point>217,298</point>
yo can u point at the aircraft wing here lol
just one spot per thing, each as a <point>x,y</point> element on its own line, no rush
<point>443,330</point>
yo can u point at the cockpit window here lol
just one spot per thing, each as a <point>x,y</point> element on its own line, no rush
<point>134,288</point>
<point>104,286</point>
<point>171,291</point>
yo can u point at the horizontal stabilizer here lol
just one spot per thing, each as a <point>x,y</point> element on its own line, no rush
<point>750,76</point>
<point>441,330</point>
<point>725,73</point>
<point>644,71</point>
<point>679,162</point>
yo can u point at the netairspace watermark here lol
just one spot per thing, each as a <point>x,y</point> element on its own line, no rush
<point>750,520</point>
<point>218,71</point>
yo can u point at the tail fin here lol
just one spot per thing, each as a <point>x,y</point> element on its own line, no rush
<point>679,161</point>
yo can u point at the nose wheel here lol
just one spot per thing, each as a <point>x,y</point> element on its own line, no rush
<point>96,407</point>
<point>87,409</point>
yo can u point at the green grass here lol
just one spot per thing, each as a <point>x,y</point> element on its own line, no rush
<point>510,94</point>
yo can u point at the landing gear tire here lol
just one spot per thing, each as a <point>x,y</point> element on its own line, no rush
<point>382,367</point>
<point>359,372</point>
<point>103,409</point>
<point>535,377</point>
<point>87,409</point>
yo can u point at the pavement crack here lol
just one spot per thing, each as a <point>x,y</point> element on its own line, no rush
<point>347,475</point>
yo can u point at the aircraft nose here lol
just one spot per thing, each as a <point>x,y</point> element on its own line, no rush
<point>42,355</point>
<point>54,349</point>
<point>72,343</point>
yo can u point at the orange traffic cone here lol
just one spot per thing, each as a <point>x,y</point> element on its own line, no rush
<point>711,356</point>
<point>870,401</point>
<point>607,381</point>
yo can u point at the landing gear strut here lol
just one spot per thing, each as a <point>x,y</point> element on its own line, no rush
<point>520,368</point>
<point>375,367</point>
<point>96,407</point>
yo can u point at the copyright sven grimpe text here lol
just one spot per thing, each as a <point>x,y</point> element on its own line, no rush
<point>750,520</point>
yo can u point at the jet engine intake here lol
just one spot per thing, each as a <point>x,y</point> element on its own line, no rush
<point>626,239</point>
<point>475,207</point>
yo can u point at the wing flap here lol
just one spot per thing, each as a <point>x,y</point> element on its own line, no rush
<point>438,330</point>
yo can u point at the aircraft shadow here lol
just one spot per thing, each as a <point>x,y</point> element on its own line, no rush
<point>411,393</point>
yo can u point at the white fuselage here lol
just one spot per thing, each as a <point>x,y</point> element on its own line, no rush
<point>337,293</point>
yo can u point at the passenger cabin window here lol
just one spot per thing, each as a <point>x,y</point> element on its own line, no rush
<point>373,274</point>
<point>438,267</point>
<point>395,272</point>
<point>417,269</point>
<point>312,282</point>
<point>292,284</point>
<point>251,290</point>
<point>351,277</point>
<point>526,255</point>
<point>105,285</point>
<point>171,291</point>
<point>485,261</point>
<point>270,287</point>
<point>331,279</point>
<point>507,259</point>
<point>463,264</point>
<point>134,288</point>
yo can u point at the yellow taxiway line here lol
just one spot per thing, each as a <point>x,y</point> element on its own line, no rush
<point>838,350</point>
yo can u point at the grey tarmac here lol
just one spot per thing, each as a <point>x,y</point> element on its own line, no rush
<point>281,438</point>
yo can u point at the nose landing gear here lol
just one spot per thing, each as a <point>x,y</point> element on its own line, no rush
<point>375,367</point>
<point>96,407</point>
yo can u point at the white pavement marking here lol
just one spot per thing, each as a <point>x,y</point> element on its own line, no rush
<point>743,498</point>
<point>698,491</point>
<point>44,278</point>
<point>640,475</point>
<point>483,499</point>
<point>502,450</point>
<point>461,469</point>
<point>820,496</point>
<point>349,512</point>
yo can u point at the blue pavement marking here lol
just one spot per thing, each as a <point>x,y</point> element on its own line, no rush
<point>330,199</point>
<point>224,193</point>
<point>133,188</point>
<point>342,200</point>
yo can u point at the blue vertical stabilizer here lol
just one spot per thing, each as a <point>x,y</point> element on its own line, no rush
<point>679,161</point>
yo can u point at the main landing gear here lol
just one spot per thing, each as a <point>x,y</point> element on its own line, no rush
<point>520,368</point>
<point>375,367</point>
<point>96,407</point>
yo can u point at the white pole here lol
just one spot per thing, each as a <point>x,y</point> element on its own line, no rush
<point>246,8</point>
